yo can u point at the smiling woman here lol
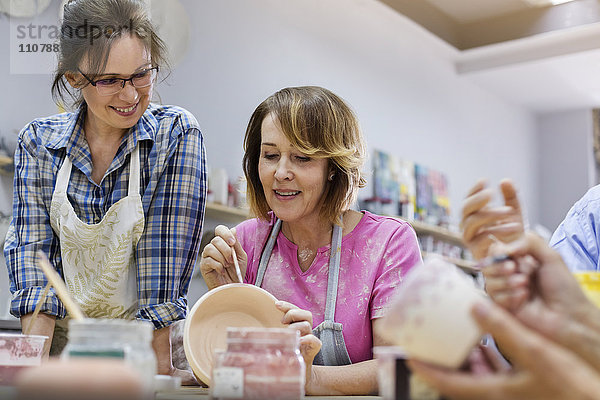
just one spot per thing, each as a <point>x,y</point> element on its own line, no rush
<point>110,172</point>
<point>327,263</point>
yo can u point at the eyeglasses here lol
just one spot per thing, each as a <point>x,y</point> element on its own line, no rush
<point>110,86</point>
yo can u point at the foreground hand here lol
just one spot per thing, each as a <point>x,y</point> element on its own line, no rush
<point>216,262</point>
<point>542,369</point>
<point>550,301</point>
<point>482,224</point>
<point>301,320</point>
<point>508,283</point>
<point>486,359</point>
<point>80,378</point>
<point>535,274</point>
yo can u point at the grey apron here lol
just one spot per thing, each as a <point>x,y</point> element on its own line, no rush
<point>333,350</point>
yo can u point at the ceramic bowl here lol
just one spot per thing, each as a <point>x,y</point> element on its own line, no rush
<point>235,305</point>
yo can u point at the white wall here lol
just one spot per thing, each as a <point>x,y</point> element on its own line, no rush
<point>567,168</point>
<point>398,78</point>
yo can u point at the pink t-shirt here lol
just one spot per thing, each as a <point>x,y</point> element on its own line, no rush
<point>375,257</point>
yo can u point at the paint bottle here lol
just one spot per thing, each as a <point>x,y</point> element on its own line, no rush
<point>218,184</point>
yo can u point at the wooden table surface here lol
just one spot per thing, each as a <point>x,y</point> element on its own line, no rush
<point>193,393</point>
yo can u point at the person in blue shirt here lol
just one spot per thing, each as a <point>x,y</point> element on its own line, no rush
<point>577,238</point>
<point>114,192</point>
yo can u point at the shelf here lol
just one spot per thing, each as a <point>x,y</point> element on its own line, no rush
<point>465,265</point>
<point>436,231</point>
<point>10,324</point>
<point>220,211</point>
<point>226,213</point>
<point>6,165</point>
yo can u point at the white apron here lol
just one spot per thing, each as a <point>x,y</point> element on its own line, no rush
<point>98,260</point>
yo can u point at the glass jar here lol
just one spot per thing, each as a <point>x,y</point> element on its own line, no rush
<point>114,338</point>
<point>259,363</point>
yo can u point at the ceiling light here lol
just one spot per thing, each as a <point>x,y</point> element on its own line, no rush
<point>544,3</point>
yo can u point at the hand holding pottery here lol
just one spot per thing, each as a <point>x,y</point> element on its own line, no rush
<point>296,318</point>
<point>543,294</point>
<point>542,369</point>
<point>483,224</point>
<point>309,348</point>
<point>216,264</point>
<point>235,305</point>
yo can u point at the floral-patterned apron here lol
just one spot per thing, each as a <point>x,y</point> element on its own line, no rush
<point>98,260</point>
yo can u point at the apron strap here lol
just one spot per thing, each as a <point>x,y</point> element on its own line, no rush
<point>134,172</point>
<point>334,265</point>
<point>266,254</point>
<point>334,272</point>
<point>64,174</point>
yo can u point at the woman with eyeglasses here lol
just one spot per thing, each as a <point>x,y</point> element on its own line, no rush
<point>113,192</point>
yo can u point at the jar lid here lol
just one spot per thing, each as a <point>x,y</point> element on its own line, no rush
<point>93,327</point>
<point>389,352</point>
<point>258,335</point>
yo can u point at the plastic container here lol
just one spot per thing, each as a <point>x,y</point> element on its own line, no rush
<point>259,363</point>
<point>590,283</point>
<point>128,340</point>
<point>218,183</point>
<point>18,352</point>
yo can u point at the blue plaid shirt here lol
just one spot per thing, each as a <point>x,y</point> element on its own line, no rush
<point>173,190</point>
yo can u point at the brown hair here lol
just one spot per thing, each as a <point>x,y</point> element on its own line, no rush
<point>320,124</point>
<point>89,28</point>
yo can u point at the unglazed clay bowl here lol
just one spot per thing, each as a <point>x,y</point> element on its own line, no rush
<point>235,305</point>
<point>18,352</point>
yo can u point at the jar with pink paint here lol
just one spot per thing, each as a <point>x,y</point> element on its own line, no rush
<point>259,363</point>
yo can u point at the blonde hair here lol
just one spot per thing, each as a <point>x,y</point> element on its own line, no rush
<point>320,124</point>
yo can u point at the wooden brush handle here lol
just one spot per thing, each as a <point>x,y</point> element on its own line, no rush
<point>59,286</point>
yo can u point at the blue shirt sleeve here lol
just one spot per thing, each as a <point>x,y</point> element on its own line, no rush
<point>169,246</point>
<point>30,230</point>
<point>576,238</point>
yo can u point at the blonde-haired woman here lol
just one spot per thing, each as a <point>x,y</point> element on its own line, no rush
<point>303,154</point>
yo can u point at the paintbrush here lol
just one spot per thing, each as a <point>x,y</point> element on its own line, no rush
<point>237,266</point>
<point>59,286</point>
<point>38,307</point>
